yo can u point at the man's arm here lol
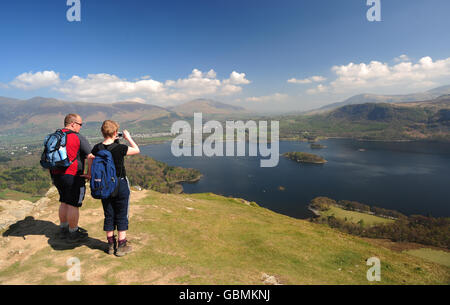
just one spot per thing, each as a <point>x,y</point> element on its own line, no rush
<point>90,158</point>
<point>85,150</point>
<point>85,147</point>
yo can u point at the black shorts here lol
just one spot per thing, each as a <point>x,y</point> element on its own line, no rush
<point>71,189</point>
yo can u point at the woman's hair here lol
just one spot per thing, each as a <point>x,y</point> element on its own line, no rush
<point>109,128</point>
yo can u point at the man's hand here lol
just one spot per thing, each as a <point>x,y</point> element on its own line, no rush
<point>87,176</point>
<point>90,158</point>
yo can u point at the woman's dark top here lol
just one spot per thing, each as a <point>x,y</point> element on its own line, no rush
<point>118,153</point>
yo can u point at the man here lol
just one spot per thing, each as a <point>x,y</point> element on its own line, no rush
<point>70,182</point>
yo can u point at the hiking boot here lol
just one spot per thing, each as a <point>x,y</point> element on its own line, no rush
<point>63,233</point>
<point>123,248</point>
<point>112,246</point>
<point>77,236</point>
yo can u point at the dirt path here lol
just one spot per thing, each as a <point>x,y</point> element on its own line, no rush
<point>36,234</point>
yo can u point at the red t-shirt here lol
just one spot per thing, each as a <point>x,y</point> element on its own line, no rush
<point>72,147</point>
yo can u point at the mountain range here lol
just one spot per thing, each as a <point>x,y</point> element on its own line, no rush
<point>39,114</point>
<point>206,106</point>
<point>377,98</point>
<point>419,120</point>
<point>364,116</point>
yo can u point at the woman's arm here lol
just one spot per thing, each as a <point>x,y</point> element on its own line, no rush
<point>133,149</point>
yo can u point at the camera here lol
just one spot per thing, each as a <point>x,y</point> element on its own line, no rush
<point>120,134</point>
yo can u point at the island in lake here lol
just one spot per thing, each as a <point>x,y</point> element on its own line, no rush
<point>303,157</point>
<point>317,146</point>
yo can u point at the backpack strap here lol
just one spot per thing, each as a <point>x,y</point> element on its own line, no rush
<point>101,146</point>
<point>67,133</point>
<point>110,148</point>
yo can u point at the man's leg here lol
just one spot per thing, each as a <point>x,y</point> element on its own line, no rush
<point>76,193</point>
<point>63,223</point>
<point>63,213</point>
<point>58,183</point>
<point>73,215</point>
<point>76,234</point>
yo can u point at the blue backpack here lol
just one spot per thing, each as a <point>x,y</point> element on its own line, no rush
<point>104,182</point>
<point>54,155</point>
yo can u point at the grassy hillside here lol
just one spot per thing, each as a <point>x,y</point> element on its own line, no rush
<point>362,220</point>
<point>21,176</point>
<point>375,121</point>
<point>432,255</point>
<point>355,217</point>
<point>203,239</point>
<point>6,194</point>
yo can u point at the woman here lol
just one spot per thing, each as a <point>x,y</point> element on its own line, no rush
<point>116,208</point>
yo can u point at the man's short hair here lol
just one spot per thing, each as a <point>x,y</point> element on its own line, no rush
<point>109,128</point>
<point>71,118</point>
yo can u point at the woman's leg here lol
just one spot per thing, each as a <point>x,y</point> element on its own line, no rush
<point>121,204</point>
<point>108,225</point>
<point>122,235</point>
<point>108,210</point>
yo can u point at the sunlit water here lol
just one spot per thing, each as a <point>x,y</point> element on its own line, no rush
<point>411,177</point>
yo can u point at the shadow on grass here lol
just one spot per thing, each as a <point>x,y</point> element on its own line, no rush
<point>31,226</point>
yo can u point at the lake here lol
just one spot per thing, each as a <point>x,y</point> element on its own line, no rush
<point>410,177</point>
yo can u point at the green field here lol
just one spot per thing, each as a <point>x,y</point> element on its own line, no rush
<point>204,239</point>
<point>355,217</point>
<point>7,194</point>
<point>436,256</point>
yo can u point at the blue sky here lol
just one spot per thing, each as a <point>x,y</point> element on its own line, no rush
<point>147,50</point>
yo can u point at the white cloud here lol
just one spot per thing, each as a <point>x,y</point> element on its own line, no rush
<point>402,58</point>
<point>309,80</point>
<point>237,79</point>
<point>211,74</point>
<point>404,76</point>
<point>107,88</point>
<point>32,81</point>
<point>197,84</point>
<point>381,75</point>
<point>228,89</point>
<point>135,99</point>
<point>319,89</point>
<point>276,97</point>
<point>200,84</point>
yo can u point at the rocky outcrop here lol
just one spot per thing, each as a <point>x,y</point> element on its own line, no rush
<point>12,211</point>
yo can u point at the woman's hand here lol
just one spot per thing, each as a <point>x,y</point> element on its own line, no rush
<point>133,149</point>
<point>126,135</point>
